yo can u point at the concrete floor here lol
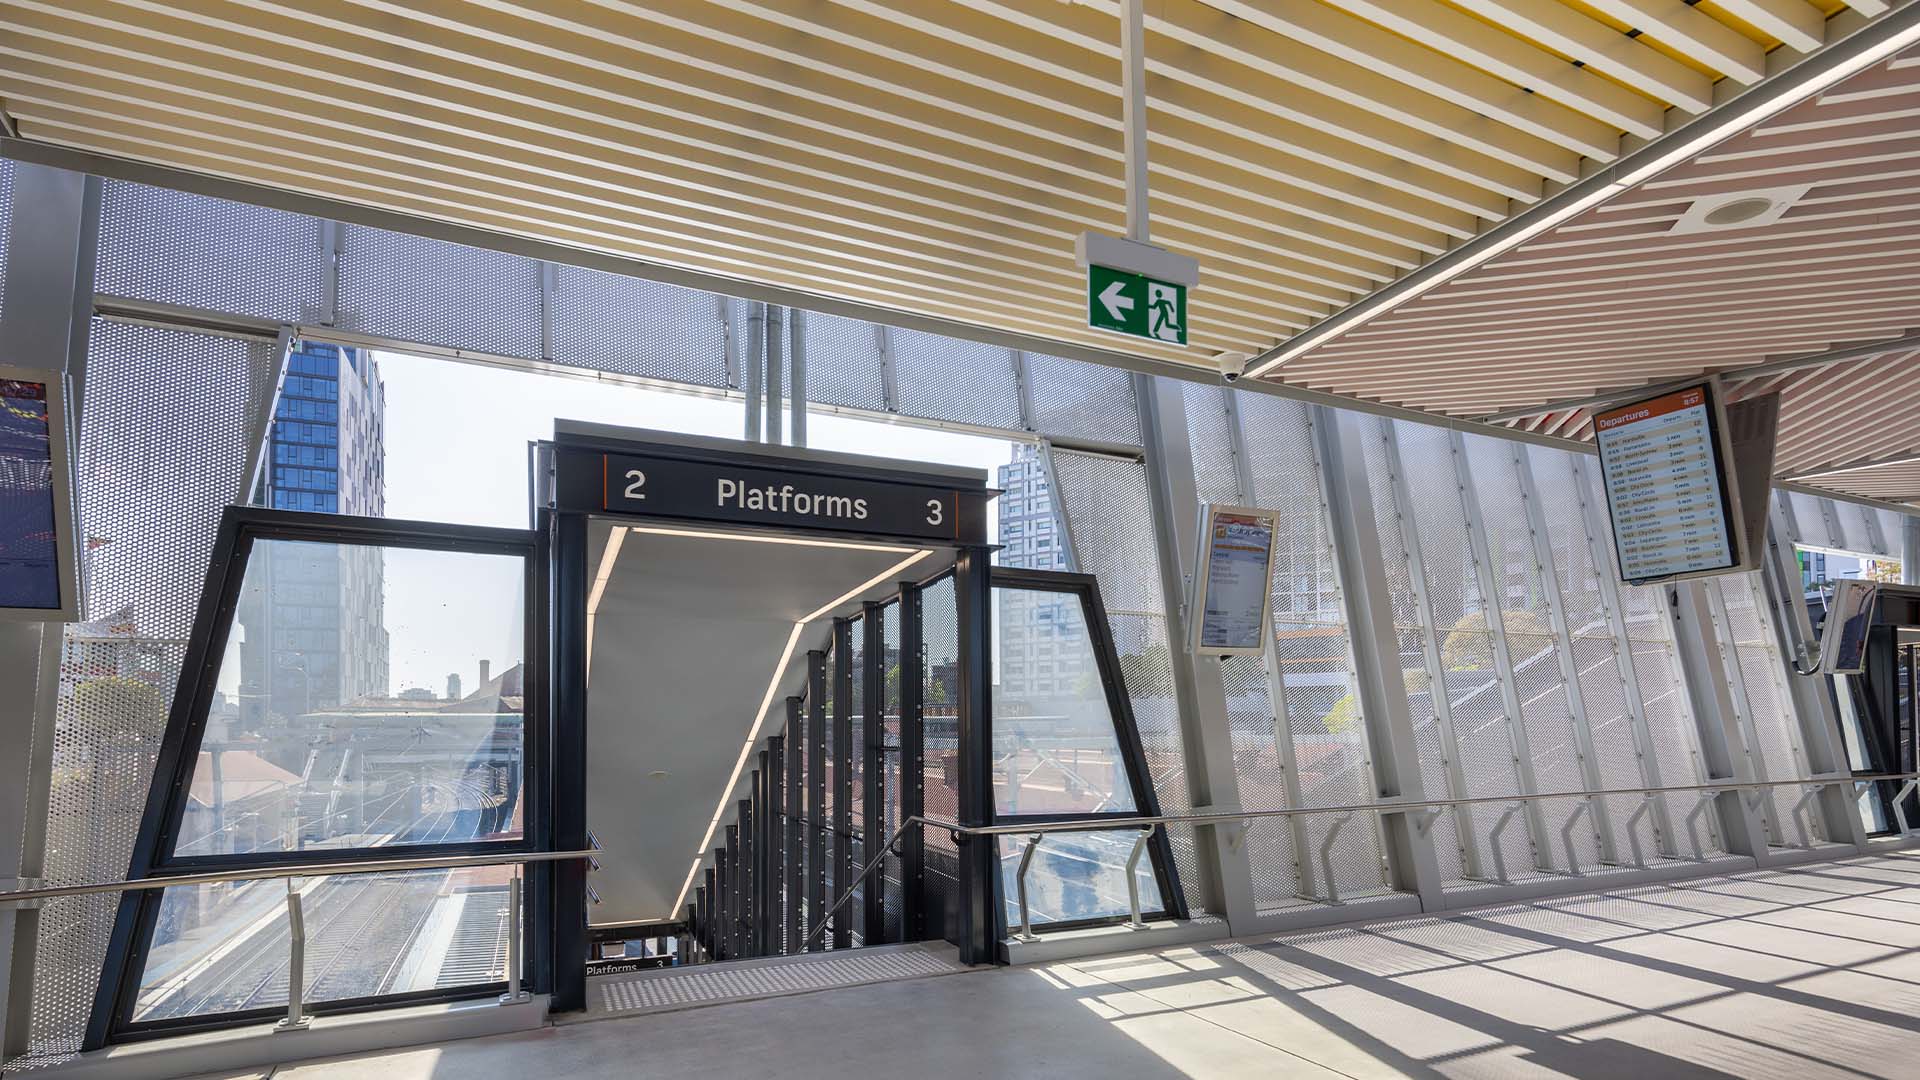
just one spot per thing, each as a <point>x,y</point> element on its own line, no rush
<point>1810,972</point>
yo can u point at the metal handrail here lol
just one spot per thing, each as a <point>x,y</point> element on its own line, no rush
<point>1105,824</point>
<point>290,870</point>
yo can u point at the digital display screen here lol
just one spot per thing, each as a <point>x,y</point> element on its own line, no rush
<point>1666,484</point>
<point>29,543</point>
<point>1239,559</point>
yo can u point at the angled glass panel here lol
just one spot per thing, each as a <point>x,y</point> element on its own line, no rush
<point>1055,748</point>
<point>367,697</point>
<point>223,948</point>
<point>1076,877</point>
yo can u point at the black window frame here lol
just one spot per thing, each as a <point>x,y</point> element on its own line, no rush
<point>111,1019</point>
<point>1086,588</point>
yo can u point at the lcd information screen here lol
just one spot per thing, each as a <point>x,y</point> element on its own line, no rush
<point>1664,466</point>
<point>29,547</point>
<point>1239,563</point>
<point>1843,639</point>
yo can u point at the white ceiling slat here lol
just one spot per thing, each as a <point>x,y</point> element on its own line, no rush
<point>1676,23</point>
<point>1515,60</point>
<point>1602,48</point>
<point>1797,24</point>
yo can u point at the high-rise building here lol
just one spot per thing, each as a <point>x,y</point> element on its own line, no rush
<point>1034,662</point>
<point>314,627</point>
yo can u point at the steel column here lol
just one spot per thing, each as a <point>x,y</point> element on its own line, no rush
<point>797,373</point>
<point>913,752</point>
<point>1736,676</point>
<point>873,830</point>
<point>1225,880</point>
<point>793,871</point>
<point>841,770</point>
<point>1544,567</point>
<point>979,915</point>
<point>1815,722</point>
<point>1374,651</point>
<point>776,336</point>
<point>1488,576</point>
<point>45,324</point>
<point>754,360</point>
<point>1407,530</point>
<point>816,796</point>
<point>1722,743</point>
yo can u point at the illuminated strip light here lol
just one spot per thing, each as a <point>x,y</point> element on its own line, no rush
<point>751,539</point>
<point>766,704</point>
<point>1739,115</point>
<point>604,574</point>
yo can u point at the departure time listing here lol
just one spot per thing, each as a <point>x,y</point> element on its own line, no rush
<point>1659,463</point>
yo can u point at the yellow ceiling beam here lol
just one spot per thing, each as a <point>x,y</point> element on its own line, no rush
<point>1515,60</point>
<point>1797,24</point>
<point>1601,48</point>
<point>1423,70</point>
<point>1683,27</point>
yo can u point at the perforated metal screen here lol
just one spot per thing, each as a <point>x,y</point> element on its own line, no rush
<point>429,291</point>
<point>175,248</point>
<point>609,322</point>
<point>162,447</point>
<point>6,222</point>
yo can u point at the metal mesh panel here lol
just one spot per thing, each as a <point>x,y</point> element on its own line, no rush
<point>1273,858</point>
<point>162,447</point>
<point>6,219</point>
<point>960,381</point>
<point>843,363</point>
<point>1768,721</point>
<point>610,322</point>
<point>940,644</point>
<point>1321,701</point>
<point>1075,399</point>
<point>1208,439</point>
<point>1109,516</point>
<point>175,248</point>
<point>1545,705</point>
<point>437,293</point>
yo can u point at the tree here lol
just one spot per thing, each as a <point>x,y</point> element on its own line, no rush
<point>1468,648</point>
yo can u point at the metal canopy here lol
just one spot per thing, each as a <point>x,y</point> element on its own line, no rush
<point>931,158</point>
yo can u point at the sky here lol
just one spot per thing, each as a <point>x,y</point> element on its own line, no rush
<point>456,451</point>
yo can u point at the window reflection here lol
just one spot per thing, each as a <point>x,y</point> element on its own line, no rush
<point>359,705</point>
<point>1055,749</point>
<point>1076,876</point>
<point>223,947</point>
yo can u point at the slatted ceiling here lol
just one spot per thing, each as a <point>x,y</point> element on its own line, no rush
<point>934,157</point>
<point>1614,298</point>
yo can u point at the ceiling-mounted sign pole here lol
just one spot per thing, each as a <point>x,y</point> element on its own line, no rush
<point>1133,113</point>
<point>1134,287</point>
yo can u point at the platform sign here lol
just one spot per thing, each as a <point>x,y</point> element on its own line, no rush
<point>1236,568</point>
<point>698,490</point>
<point>1135,304</point>
<point>1667,467</point>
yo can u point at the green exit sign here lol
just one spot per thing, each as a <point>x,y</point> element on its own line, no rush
<point>1130,303</point>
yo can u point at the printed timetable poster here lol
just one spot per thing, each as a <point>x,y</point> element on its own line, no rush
<point>1239,560</point>
<point>1667,488</point>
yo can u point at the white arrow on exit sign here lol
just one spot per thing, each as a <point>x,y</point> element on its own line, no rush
<point>1116,301</point>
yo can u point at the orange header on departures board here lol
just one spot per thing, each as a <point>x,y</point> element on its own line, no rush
<point>1647,410</point>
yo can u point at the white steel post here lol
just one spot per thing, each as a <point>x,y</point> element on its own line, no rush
<point>1374,646</point>
<point>1198,688</point>
<point>1133,90</point>
<point>48,305</point>
<point>1703,664</point>
<point>297,1018</point>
